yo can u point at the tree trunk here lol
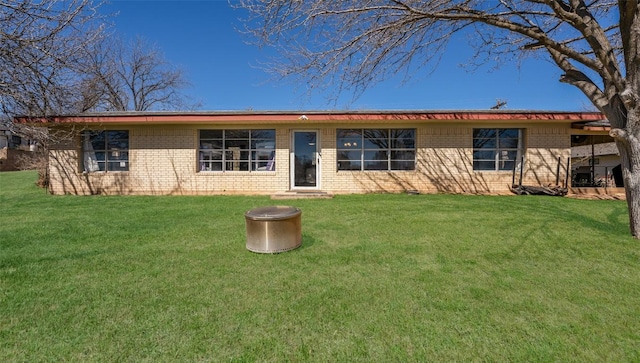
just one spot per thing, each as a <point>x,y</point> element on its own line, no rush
<point>628,142</point>
<point>631,177</point>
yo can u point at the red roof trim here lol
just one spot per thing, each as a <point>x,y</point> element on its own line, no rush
<point>315,117</point>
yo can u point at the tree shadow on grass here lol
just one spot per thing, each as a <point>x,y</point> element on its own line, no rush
<point>21,261</point>
<point>607,221</point>
<point>614,217</point>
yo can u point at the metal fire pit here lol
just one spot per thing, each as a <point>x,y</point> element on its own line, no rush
<point>273,229</point>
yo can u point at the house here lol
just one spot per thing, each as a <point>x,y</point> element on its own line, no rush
<point>15,151</point>
<point>334,152</point>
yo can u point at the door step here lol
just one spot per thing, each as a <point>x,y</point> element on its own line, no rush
<point>296,194</point>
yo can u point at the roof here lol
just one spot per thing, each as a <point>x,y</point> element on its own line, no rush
<point>173,117</point>
<point>598,125</point>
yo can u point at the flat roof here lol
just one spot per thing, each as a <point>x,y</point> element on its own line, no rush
<point>162,117</point>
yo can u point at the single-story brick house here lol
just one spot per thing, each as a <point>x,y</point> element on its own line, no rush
<point>265,152</point>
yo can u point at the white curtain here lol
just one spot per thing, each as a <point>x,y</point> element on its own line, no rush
<point>90,161</point>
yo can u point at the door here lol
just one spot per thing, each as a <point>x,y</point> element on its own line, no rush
<point>305,160</point>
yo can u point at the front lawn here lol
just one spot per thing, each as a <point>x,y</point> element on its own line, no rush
<point>379,278</point>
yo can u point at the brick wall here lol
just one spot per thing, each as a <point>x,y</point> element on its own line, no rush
<point>12,159</point>
<point>163,160</point>
<point>445,164</point>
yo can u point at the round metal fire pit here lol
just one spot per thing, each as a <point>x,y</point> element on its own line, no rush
<point>273,229</point>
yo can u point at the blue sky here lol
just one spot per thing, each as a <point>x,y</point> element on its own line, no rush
<point>201,37</point>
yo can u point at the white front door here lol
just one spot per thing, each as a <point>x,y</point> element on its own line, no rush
<point>305,160</point>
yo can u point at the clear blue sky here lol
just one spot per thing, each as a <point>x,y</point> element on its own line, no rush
<point>201,36</point>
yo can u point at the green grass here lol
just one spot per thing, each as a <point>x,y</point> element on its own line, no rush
<point>379,278</point>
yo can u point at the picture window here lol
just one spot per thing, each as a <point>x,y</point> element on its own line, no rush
<point>237,150</point>
<point>497,149</point>
<point>105,150</point>
<point>376,149</point>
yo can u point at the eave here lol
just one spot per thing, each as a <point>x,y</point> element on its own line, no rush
<point>596,125</point>
<point>310,117</point>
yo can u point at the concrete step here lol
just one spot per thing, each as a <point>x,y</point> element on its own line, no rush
<point>296,194</point>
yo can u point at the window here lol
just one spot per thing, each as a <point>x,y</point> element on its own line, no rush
<point>237,150</point>
<point>376,149</point>
<point>105,150</point>
<point>496,149</point>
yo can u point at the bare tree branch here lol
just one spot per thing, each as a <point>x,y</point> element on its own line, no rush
<point>354,43</point>
<point>40,49</point>
<point>401,33</point>
<point>134,76</point>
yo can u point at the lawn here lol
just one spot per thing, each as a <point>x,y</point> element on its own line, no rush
<point>379,278</point>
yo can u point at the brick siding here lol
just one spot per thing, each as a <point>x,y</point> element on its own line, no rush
<point>163,160</point>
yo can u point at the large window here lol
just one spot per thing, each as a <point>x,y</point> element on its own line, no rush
<point>105,150</point>
<point>237,150</point>
<point>376,149</point>
<point>496,149</point>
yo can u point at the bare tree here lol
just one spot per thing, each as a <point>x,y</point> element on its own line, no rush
<point>55,59</point>
<point>42,45</point>
<point>354,43</point>
<point>132,76</point>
